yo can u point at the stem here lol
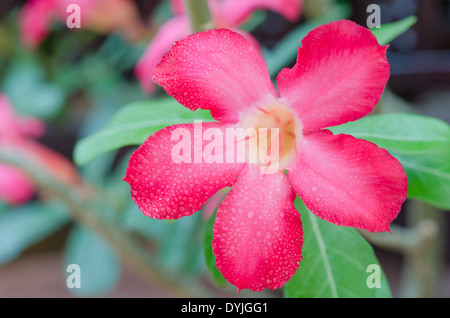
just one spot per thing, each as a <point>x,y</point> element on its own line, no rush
<point>199,15</point>
<point>88,209</point>
<point>422,268</point>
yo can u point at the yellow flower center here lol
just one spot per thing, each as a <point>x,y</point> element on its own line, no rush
<point>276,136</point>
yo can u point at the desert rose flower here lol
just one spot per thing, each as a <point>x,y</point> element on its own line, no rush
<point>225,14</point>
<point>15,186</point>
<point>339,76</point>
<point>17,134</point>
<point>101,16</point>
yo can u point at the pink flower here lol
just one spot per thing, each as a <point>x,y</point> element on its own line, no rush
<point>15,186</point>
<point>17,134</point>
<point>225,14</point>
<point>102,16</point>
<point>339,76</point>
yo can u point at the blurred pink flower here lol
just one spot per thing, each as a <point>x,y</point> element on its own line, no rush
<point>102,16</point>
<point>17,134</point>
<point>225,14</point>
<point>339,76</point>
<point>15,186</point>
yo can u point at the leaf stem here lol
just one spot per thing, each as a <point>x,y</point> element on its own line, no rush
<point>199,15</point>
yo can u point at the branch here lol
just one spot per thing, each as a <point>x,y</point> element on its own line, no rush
<point>86,208</point>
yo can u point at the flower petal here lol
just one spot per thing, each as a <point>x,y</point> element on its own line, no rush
<point>15,186</point>
<point>217,70</point>
<point>173,30</point>
<point>235,12</point>
<point>177,6</point>
<point>35,20</point>
<point>164,187</point>
<point>14,127</point>
<point>339,76</point>
<point>257,234</point>
<point>348,181</point>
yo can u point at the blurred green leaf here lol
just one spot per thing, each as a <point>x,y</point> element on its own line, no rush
<point>255,20</point>
<point>24,226</point>
<point>208,252</point>
<point>180,248</point>
<point>162,12</point>
<point>178,241</point>
<point>335,262</point>
<point>31,94</point>
<point>389,31</point>
<point>421,144</point>
<point>134,220</point>
<point>285,51</point>
<point>99,265</point>
<point>133,124</point>
<point>3,207</point>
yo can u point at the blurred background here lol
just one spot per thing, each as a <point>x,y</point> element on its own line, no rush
<point>74,81</point>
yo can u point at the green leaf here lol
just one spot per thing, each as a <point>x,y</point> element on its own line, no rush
<point>99,265</point>
<point>388,32</point>
<point>25,84</point>
<point>335,261</point>
<point>208,252</point>
<point>428,177</point>
<point>22,227</point>
<point>133,124</point>
<point>401,132</point>
<point>178,241</point>
<point>180,249</point>
<point>255,20</point>
<point>421,144</point>
<point>285,51</point>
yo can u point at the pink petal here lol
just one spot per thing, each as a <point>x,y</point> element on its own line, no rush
<point>249,37</point>
<point>348,181</point>
<point>31,127</point>
<point>87,7</point>
<point>234,12</point>
<point>257,232</point>
<point>14,127</point>
<point>177,6</point>
<point>213,202</point>
<point>217,70</point>
<point>35,21</point>
<point>15,186</point>
<point>173,30</point>
<point>340,74</point>
<point>164,189</point>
